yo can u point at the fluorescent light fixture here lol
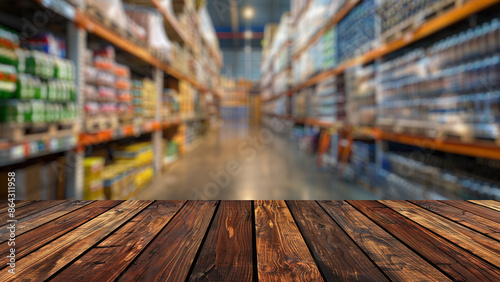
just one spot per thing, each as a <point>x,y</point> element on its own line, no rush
<point>248,12</point>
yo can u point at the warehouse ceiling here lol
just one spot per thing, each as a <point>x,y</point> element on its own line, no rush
<point>230,24</point>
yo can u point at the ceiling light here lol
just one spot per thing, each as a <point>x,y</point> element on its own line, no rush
<point>248,12</point>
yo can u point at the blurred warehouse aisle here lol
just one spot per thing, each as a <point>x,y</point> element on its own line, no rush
<point>233,163</point>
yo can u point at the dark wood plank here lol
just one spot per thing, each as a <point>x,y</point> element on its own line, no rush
<point>19,204</point>
<point>282,254</point>
<point>28,210</point>
<point>474,222</point>
<point>451,259</point>
<point>107,260</point>
<point>34,220</point>
<point>170,255</point>
<point>337,255</point>
<point>52,257</point>
<point>227,251</point>
<point>40,236</point>
<point>475,209</point>
<point>494,205</point>
<point>395,259</point>
<point>480,245</point>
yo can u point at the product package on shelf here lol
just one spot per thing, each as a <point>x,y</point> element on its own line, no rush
<point>399,16</point>
<point>107,91</point>
<point>450,176</point>
<point>450,88</point>
<point>356,31</point>
<point>313,19</point>
<point>187,95</point>
<point>37,88</point>
<point>111,11</point>
<point>129,171</point>
<point>170,102</point>
<point>152,22</point>
<point>361,95</point>
<point>327,103</point>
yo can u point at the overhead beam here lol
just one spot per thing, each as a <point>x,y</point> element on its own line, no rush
<point>239,35</point>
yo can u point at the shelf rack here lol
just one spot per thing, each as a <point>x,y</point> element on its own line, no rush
<point>79,24</point>
<point>428,28</point>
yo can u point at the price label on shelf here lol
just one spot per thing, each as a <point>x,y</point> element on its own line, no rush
<point>53,145</point>
<point>137,130</point>
<point>119,133</point>
<point>17,152</point>
<point>33,147</point>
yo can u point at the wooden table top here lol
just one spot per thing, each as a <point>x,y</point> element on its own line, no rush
<point>254,240</point>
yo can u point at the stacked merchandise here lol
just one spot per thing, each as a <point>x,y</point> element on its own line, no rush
<point>327,103</point>
<point>170,104</point>
<point>451,86</point>
<point>143,99</point>
<point>301,103</point>
<point>363,162</point>
<point>398,15</point>
<point>187,97</point>
<point>361,89</point>
<point>44,180</point>
<point>93,188</point>
<point>321,56</point>
<point>356,31</point>
<point>298,6</point>
<point>315,17</point>
<point>112,13</point>
<point>305,137</point>
<point>447,175</point>
<point>267,43</point>
<point>181,59</point>
<point>171,151</point>
<point>328,49</point>
<point>36,85</point>
<point>148,99</point>
<point>130,171</point>
<point>279,53</point>
<point>107,91</point>
<point>152,22</point>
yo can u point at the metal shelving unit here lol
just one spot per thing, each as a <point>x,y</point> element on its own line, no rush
<point>79,26</point>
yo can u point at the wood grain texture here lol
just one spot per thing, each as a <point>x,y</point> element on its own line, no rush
<point>474,222</point>
<point>494,205</point>
<point>27,210</point>
<point>49,259</point>
<point>336,254</point>
<point>459,264</point>
<point>282,253</point>
<point>480,245</point>
<point>170,255</point>
<point>107,260</point>
<point>475,209</point>
<point>36,238</point>
<point>19,204</point>
<point>227,251</point>
<point>34,220</point>
<point>395,259</point>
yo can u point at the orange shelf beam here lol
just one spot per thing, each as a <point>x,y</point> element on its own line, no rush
<point>430,27</point>
<point>473,150</point>
<point>84,21</point>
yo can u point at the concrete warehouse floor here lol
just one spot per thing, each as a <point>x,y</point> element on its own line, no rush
<point>241,163</point>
